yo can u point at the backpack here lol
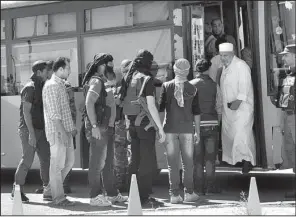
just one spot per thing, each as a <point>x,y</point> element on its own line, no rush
<point>132,95</point>
<point>286,93</point>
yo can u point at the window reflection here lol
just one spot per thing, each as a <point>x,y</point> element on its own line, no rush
<point>25,54</point>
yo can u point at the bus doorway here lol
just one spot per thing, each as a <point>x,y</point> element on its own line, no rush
<point>238,30</point>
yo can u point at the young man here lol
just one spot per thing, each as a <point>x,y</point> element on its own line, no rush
<point>31,129</point>
<point>59,128</point>
<point>179,99</point>
<point>206,150</point>
<point>218,31</point>
<point>238,144</point>
<point>139,83</point>
<point>97,116</point>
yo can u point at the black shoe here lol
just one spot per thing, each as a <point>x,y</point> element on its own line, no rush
<point>247,166</point>
<point>67,190</point>
<point>39,191</point>
<point>25,199</point>
<point>151,202</point>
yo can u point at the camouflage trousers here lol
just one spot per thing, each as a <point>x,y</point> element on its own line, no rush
<point>120,154</point>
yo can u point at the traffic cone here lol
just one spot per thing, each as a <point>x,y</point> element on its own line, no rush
<point>134,203</point>
<point>17,208</point>
<point>253,207</point>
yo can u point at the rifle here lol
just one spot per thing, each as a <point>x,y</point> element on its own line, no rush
<point>144,109</point>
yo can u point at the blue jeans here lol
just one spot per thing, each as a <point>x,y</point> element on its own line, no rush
<point>175,144</point>
<point>43,152</point>
<point>205,156</point>
<point>101,155</point>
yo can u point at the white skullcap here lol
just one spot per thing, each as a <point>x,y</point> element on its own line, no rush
<point>225,47</point>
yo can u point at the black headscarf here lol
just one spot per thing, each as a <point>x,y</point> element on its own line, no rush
<point>99,59</point>
<point>141,63</point>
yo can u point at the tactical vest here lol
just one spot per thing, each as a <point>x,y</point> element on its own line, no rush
<point>286,94</point>
<point>132,94</point>
<point>100,104</point>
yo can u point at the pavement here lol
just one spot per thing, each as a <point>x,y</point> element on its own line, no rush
<point>271,187</point>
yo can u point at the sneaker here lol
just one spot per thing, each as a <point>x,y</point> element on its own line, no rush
<point>151,201</point>
<point>65,202</point>
<point>47,197</point>
<point>176,199</point>
<point>25,199</point>
<point>100,200</point>
<point>117,199</point>
<point>190,197</point>
<point>39,191</point>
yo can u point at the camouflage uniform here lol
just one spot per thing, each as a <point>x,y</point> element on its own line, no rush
<point>120,152</point>
<point>73,113</point>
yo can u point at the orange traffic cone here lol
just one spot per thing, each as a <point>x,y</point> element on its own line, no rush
<point>253,207</point>
<point>17,208</point>
<point>134,203</point>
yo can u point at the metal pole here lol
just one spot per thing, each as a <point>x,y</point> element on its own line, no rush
<point>237,29</point>
<point>221,12</point>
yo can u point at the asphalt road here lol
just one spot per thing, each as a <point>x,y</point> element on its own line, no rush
<point>271,187</point>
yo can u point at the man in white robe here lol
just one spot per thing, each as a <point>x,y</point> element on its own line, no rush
<point>238,144</point>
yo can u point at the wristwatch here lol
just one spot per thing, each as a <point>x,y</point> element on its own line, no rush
<point>94,126</point>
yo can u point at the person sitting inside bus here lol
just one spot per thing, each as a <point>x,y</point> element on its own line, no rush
<point>32,129</point>
<point>205,152</point>
<point>179,99</point>
<point>218,31</point>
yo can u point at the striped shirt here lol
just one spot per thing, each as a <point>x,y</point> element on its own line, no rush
<point>56,106</point>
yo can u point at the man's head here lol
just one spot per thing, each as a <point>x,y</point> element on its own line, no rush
<point>181,68</point>
<point>154,68</point>
<point>217,27</point>
<point>124,66</point>
<point>61,67</point>
<point>202,65</point>
<point>289,55</point>
<point>143,61</point>
<point>49,68</point>
<point>39,69</point>
<point>226,53</point>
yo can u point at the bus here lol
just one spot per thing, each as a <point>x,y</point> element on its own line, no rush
<point>169,29</point>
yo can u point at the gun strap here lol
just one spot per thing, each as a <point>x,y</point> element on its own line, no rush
<point>143,85</point>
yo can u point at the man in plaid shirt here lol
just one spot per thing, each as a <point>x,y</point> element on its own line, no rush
<point>59,128</point>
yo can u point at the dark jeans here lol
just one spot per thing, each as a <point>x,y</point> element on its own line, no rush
<point>101,157</point>
<point>143,157</point>
<point>205,156</point>
<point>43,152</point>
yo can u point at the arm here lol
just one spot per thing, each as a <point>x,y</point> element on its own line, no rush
<point>91,98</point>
<point>153,111</point>
<point>196,112</point>
<point>162,99</point>
<point>219,103</point>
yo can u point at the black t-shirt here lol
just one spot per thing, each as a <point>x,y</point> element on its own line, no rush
<point>149,88</point>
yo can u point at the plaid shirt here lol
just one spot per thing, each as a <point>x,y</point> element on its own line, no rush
<point>56,105</point>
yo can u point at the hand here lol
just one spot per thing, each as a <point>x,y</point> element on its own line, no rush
<point>235,104</point>
<point>96,133</point>
<point>196,138</point>
<point>161,136</point>
<point>32,139</point>
<point>74,132</point>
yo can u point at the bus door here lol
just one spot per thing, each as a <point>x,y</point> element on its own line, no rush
<point>238,26</point>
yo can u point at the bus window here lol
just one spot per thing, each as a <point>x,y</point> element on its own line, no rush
<point>280,19</point>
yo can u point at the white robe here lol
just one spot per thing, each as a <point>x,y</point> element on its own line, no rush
<point>237,135</point>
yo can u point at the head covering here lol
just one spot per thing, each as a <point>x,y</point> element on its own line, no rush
<point>37,64</point>
<point>125,63</point>
<point>202,65</point>
<point>143,60</point>
<point>226,47</point>
<point>99,59</point>
<point>181,69</point>
<point>289,49</point>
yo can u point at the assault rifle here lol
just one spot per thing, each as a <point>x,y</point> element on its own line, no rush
<point>144,112</point>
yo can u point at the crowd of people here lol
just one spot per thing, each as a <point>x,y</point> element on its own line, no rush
<point>221,91</point>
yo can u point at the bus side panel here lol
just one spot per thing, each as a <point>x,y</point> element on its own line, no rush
<point>272,116</point>
<point>10,141</point>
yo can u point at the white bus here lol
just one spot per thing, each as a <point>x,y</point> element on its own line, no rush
<point>169,29</point>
